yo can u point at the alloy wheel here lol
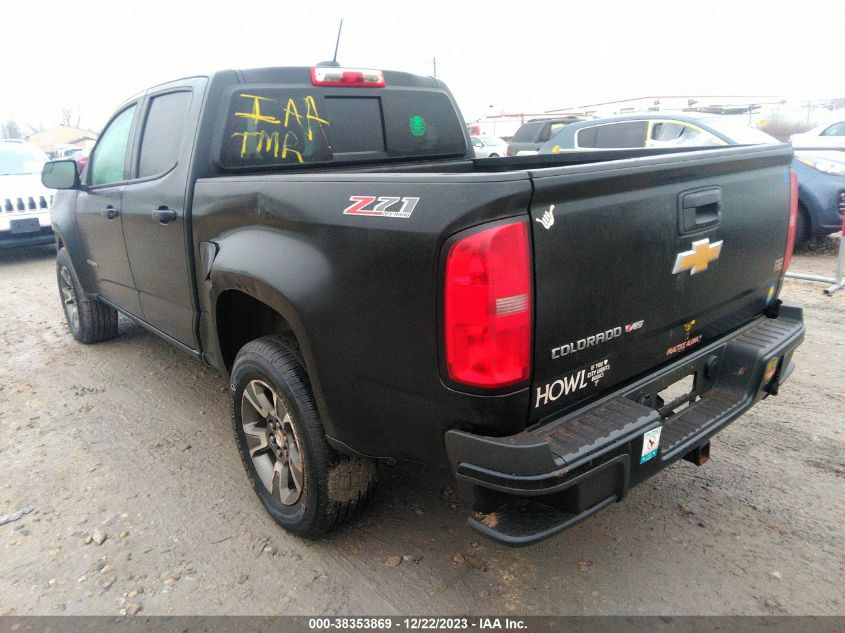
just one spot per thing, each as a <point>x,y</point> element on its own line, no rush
<point>69,297</point>
<point>274,445</point>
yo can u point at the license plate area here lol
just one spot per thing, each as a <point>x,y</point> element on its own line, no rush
<point>677,396</point>
<point>680,388</point>
<point>24,225</point>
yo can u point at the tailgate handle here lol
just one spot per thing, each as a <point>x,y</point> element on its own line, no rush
<point>699,209</point>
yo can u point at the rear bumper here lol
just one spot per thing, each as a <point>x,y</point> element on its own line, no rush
<point>36,238</point>
<point>532,485</point>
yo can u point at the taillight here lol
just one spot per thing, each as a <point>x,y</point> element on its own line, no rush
<point>488,307</point>
<point>793,220</point>
<point>347,77</point>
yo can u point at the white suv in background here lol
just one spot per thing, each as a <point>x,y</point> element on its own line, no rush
<point>24,201</point>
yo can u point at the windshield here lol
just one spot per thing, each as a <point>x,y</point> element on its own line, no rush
<point>739,133</point>
<point>18,158</point>
<point>492,142</point>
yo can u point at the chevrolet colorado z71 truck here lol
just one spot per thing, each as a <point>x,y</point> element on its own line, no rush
<point>326,238</point>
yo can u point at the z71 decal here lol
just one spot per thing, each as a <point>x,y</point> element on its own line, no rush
<point>381,207</point>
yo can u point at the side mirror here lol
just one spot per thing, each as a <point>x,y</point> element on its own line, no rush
<point>478,144</point>
<point>60,174</point>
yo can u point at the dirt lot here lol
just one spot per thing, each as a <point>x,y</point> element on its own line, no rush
<point>123,451</point>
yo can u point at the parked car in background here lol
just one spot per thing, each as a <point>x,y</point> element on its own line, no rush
<point>530,136</point>
<point>664,129</point>
<point>821,175</point>
<point>821,191</point>
<point>489,146</point>
<point>24,201</point>
<point>830,134</point>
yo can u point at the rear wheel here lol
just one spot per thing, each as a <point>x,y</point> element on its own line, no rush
<point>304,484</point>
<point>89,319</point>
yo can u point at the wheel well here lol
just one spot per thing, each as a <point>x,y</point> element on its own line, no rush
<point>241,319</point>
<point>802,208</point>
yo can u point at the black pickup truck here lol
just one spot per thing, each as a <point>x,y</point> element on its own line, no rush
<point>555,328</point>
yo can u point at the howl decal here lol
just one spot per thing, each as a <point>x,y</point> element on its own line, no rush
<point>548,218</point>
<point>578,380</point>
<point>698,259</point>
<point>597,371</point>
<point>361,206</point>
<point>778,265</point>
<point>651,443</point>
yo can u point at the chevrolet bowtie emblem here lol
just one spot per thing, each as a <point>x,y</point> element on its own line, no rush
<point>698,259</point>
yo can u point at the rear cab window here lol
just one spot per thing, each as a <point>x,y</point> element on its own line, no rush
<point>163,132</point>
<point>277,126</point>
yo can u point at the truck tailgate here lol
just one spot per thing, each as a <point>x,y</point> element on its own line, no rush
<point>639,261</point>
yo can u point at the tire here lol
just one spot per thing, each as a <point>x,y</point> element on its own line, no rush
<point>493,156</point>
<point>304,484</point>
<point>89,319</point>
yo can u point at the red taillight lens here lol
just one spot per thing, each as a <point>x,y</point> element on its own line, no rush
<point>347,77</point>
<point>488,307</point>
<point>793,220</point>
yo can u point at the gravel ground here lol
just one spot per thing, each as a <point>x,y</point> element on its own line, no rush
<point>123,453</point>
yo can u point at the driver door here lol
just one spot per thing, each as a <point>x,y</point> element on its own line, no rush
<point>99,214</point>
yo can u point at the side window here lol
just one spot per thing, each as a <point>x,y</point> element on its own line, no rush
<point>837,129</point>
<point>672,134</point>
<point>555,128</point>
<point>623,135</point>
<point>109,157</point>
<point>164,130</point>
<point>546,134</point>
<point>666,131</point>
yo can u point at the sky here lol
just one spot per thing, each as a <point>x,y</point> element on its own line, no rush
<point>496,56</point>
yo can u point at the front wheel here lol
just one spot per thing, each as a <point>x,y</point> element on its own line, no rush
<point>304,484</point>
<point>89,319</point>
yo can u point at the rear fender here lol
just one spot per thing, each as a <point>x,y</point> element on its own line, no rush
<point>277,269</point>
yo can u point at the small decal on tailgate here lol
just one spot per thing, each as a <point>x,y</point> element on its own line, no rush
<point>651,442</point>
<point>548,218</point>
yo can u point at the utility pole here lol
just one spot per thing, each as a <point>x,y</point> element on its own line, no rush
<point>434,62</point>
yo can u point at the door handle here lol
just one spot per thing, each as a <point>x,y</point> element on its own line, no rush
<point>164,215</point>
<point>110,212</point>
<point>699,209</point>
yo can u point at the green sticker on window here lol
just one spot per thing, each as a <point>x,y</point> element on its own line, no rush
<point>417,125</point>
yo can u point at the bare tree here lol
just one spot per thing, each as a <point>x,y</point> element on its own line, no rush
<point>67,117</point>
<point>11,129</point>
